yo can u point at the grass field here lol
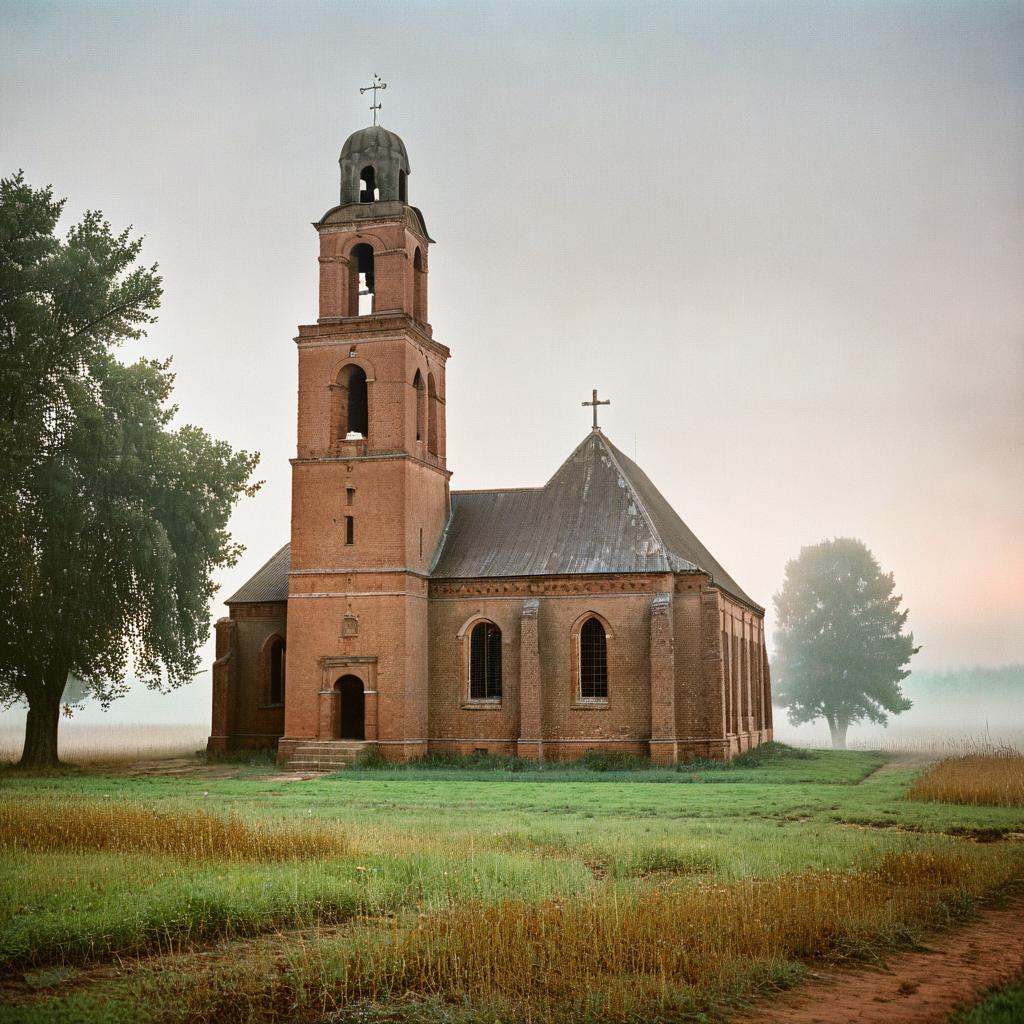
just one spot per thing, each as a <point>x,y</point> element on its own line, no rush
<point>1004,1006</point>
<point>472,893</point>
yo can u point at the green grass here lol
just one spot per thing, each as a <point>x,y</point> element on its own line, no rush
<point>1004,1006</point>
<point>429,836</point>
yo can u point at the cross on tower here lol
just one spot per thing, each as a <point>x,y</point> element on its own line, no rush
<point>378,83</point>
<point>595,403</point>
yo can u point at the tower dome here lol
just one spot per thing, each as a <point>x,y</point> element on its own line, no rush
<point>374,167</point>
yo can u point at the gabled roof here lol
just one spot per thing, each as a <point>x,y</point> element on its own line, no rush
<point>599,513</point>
<point>269,584</point>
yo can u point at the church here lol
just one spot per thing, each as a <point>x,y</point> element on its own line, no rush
<point>544,622</point>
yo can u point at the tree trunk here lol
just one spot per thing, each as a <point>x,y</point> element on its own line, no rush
<point>837,727</point>
<point>41,726</point>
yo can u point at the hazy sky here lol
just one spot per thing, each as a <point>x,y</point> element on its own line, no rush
<point>786,239</point>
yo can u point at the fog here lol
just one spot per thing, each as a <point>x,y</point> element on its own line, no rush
<point>785,239</point>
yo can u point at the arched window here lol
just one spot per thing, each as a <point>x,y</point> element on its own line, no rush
<point>368,191</point>
<point>431,415</point>
<point>419,288</point>
<point>485,662</point>
<point>275,671</point>
<point>402,196</point>
<point>351,406</point>
<point>730,725</point>
<point>593,661</point>
<point>421,402</point>
<point>361,287</point>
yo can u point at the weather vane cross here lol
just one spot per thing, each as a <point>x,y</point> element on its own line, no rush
<point>595,403</point>
<point>378,83</point>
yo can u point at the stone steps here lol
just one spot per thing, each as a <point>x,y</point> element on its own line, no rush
<point>325,755</point>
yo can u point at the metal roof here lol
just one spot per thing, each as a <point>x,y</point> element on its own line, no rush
<point>599,513</point>
<point>269,584</point>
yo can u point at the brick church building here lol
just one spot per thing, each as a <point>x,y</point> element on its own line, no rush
<point>544,622</point>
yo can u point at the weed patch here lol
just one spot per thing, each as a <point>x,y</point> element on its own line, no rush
<point>81,826</point>
<point>995,779</point>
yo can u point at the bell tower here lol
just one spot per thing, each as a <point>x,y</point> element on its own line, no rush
<point>370,496</point>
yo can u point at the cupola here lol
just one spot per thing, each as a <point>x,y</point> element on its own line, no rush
<point>374,167</point>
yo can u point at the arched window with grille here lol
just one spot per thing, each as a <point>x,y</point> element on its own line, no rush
<point>593,660</point>
<point>485,662</point>
<point>275,671</point>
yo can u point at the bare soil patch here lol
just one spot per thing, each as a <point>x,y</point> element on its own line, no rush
<point>923,987</point>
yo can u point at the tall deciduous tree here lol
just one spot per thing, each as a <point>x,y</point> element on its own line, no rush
<point>111,521</point>
<point>840,645</point>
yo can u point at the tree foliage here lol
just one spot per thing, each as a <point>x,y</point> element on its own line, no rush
<point>112,521</point>
<point>840,645</point>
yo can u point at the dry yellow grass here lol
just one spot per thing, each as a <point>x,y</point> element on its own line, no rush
<point>690,936</point>
<point>614,957</point>
<point>993,779</point>
<point>84,826</point>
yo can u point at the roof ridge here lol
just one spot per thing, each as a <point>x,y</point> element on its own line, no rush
<point>565,462</point>
<point>610,449</point>
<point>492,490</point>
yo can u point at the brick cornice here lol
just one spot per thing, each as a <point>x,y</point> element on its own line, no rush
<point>379,457</point>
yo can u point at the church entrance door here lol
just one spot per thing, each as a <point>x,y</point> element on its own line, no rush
<point>352,723</point>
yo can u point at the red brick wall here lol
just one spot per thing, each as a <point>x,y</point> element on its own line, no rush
<point>243,715</point>
<point>570,726</point>
<point>416,699</point>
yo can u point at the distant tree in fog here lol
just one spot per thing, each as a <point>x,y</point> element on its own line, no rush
<point>840,647</point>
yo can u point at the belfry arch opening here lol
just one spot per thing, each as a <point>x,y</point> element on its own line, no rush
<point>362,284</point>
<point>419,287</point>
<point>368,191</point>
<point>421,404</point>
<point>351,407</point>
<point>431,415</point>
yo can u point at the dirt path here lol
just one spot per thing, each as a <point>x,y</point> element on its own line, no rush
<point>914,988</point>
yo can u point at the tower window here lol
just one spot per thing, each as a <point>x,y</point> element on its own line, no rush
<point>368,191</point>
<point>402,195</point>
<point>350,495</point>
<point>593,661</point>
<point>362,284</point>
<point>421,402</point>
<point>485,662</point>
<point>350,530</point>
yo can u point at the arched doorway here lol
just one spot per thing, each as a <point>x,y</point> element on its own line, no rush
<point>352,719</point>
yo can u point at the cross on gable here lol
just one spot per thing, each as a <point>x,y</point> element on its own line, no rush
<point>595,403</point>
<point>378,83</point>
